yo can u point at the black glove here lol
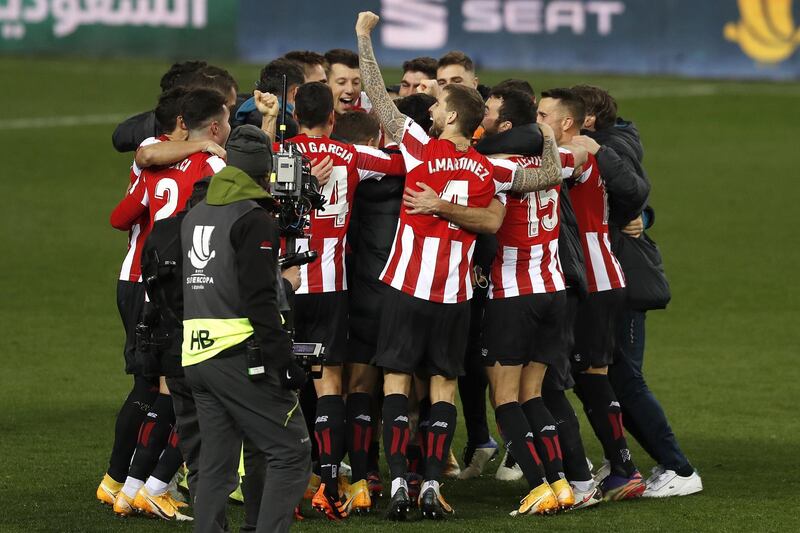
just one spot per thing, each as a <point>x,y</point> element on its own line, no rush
<point>292,376</point>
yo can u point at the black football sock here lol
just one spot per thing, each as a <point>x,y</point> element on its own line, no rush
<point>440,435</point>
<point>126,429</point>
<point>374,456</point>
<point>329,429</point>
<point>153,435</point>
<point>414,454</point>
<point>359,433</point>
<point>545,437</point>
<point>170,461</point>
<point>308,403</point>
<point>395,433</point>
<point>516,431</point>
<point>569,435</point>
<point>423,423</point>
<point>605,416</point>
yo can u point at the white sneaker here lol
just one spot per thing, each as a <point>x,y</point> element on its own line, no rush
<point>586,498</point>
<point>508,470</point>
<point>345,470</point>
<point>480,457</point>
<point>669,483</point>
<point>602,472</point>
<point>655,472</point>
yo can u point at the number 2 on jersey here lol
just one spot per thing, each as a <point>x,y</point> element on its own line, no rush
<point>166,189</point>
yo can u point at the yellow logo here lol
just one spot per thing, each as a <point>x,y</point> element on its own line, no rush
<point>766,31</point>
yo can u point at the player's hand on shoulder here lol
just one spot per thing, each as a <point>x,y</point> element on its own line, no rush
<point>214,149</point>
<point>322,169</point>
<point>266,103</point>
<point>422,202</point>
<point>579,154</point>
<point>367,20</point>
<point>586,142</point>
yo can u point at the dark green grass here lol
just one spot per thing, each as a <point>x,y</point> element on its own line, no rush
<point>722,359</point>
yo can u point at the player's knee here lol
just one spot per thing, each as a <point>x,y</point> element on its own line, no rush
<point>443,389</point>
<point>330,383</point>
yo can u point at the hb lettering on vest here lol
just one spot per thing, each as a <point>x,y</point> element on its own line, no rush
<point>200,337</point>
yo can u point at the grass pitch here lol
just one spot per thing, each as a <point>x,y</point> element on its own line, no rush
<point>722,359</point>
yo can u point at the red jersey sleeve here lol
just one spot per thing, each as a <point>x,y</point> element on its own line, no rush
<point>211,166</point>
<point>567,163</point>
<point>374,164</point>
<point>412,144</point>
<point>502,174</point>
<point>130,208</point>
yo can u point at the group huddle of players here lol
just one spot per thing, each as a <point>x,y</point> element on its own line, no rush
<point>464,241</point>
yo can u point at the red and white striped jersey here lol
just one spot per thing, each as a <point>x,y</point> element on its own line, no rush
<point>590,201</point>
<point>161,192</point>
<point>328,227</point>
<point>527,242</point>
<point>131,266</point>
<point>431,257</point>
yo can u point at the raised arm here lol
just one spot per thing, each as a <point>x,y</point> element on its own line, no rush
<point>371,79</point>
<point>267,105</point>
<point>475,219</point>
<point>546,176</point>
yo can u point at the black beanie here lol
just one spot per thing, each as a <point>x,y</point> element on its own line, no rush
<point>248,149</point>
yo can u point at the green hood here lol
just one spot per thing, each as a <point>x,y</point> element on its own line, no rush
<point>231,185</point>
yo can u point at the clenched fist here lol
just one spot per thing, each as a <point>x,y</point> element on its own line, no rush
<point>367,20</point>
<point>429,87</point>
<point>266,103</point>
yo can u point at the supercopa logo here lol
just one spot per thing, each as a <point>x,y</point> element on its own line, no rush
<point>201,252</point>
<point>766,31</point>
<point>424,24</point>
<point>199,255</point>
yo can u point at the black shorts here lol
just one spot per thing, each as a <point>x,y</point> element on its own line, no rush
<point>559,374</point>
<point>322,318</point>
<point>130,302</point>
<point>595,329</point>
<point>524,329</point>
<point>365,305</point>
<point>418,336</point>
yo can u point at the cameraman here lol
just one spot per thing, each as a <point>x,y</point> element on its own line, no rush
<point>230,315</point>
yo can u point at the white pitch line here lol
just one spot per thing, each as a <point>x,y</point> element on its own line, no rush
<point>61,121</point>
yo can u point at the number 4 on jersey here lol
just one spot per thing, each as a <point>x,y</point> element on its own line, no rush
<point>456,192</point>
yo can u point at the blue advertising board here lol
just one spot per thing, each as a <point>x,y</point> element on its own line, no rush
<point>721,39</point>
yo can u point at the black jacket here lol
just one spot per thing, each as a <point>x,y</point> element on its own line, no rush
<point>373,224</point>
<point>130,133</point>
<point>620,162</point>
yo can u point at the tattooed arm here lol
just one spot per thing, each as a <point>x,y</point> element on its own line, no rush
<point>546,176</point>
<point>391,118</point>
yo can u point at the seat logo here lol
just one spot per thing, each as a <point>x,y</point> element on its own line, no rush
<point>201,252</point>
<point>766,31</point>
